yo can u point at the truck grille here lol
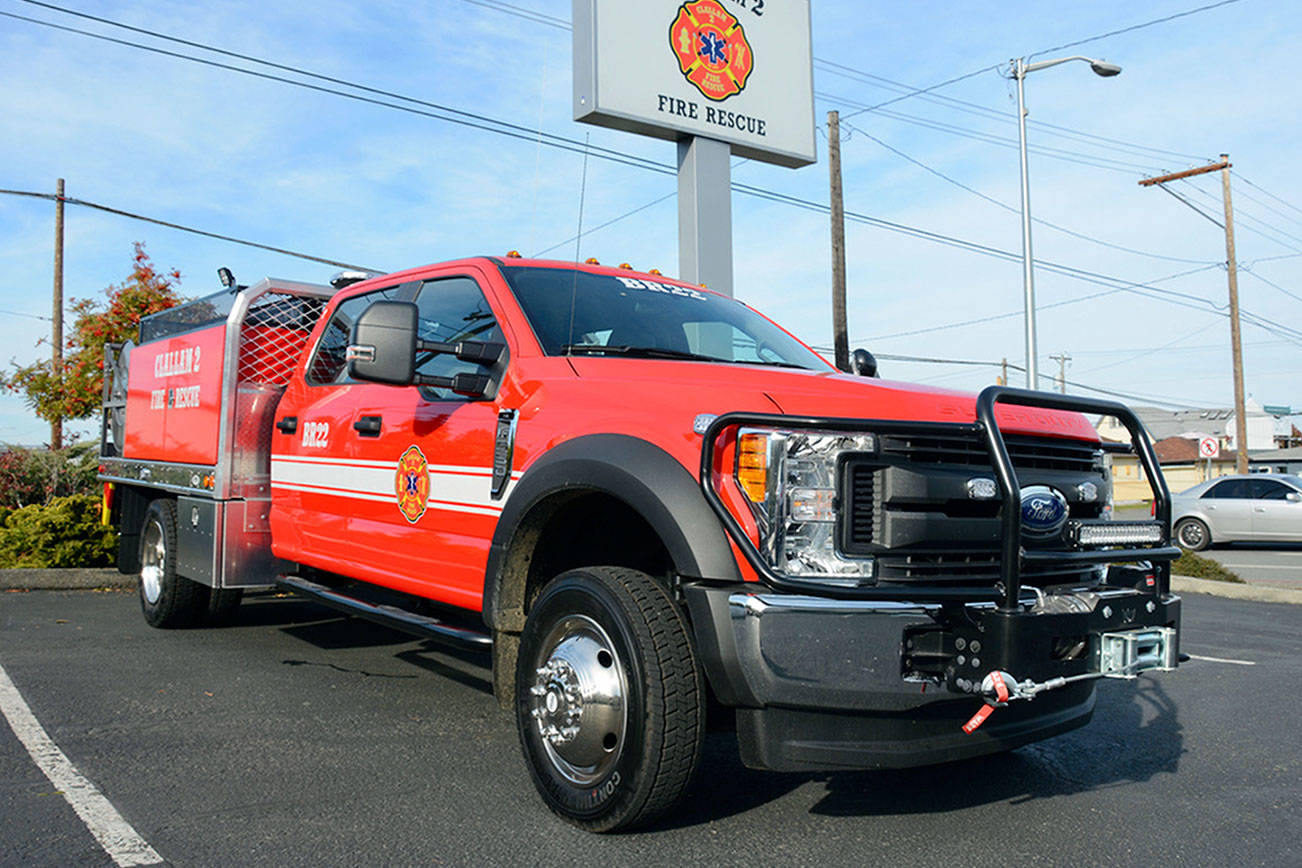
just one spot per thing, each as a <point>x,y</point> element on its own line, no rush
<point>964,567</point>
<point>1027,453</point>
<point>861,509</point>
<point>932,532</point>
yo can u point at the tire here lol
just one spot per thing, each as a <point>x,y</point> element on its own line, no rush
<point>610,702</point>
<point>1192,534</point>
<point>221,605</point>
<point>166,599</point>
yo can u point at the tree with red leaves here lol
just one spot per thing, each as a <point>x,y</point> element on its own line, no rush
<point>77,394</point>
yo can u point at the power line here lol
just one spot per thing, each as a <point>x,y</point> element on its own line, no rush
<point>28,315</point>
<point>1084,159</point>
<point>527,14</point>
<point>1244,218</point>
<point>469,119</point>
<point>995,114</point>
<point>1267,192</point>
<point>1132,27</point>
<point>1011,209</point>
<point>70,201</point>
<point>1287,292</point>
<point>514,131</point>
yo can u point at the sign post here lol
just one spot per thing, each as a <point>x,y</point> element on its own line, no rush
<point>719,77</point>
<point>1209,448</point>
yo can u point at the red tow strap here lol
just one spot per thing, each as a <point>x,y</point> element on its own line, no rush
<point>1001,695</point>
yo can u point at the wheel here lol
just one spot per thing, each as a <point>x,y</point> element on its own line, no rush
<point>610,703</point>
<point>166,599</point>
<point>1192,534</point>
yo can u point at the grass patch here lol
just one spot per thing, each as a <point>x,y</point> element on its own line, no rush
<point>1190,564</point>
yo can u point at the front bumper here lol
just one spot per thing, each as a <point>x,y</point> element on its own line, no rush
<point>824,683</point>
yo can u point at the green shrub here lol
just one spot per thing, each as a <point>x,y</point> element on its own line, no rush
<point>66,532</point>
<point>1190,564</point>
<point>30,476</point>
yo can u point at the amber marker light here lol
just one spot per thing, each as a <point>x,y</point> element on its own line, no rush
<point>512,254</point>
<point>753,466</point>
<point>625,266</point>
<point>591,260</point>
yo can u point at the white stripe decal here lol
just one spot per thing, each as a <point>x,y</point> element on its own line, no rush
<point>461,489</point>
<point>120,841</point>
<point>471,470</point>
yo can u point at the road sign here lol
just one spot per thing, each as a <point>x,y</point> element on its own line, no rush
<point>1209,447</point>
<point>1278,410</point>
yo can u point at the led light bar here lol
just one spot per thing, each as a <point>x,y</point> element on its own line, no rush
<point>1119,533</point>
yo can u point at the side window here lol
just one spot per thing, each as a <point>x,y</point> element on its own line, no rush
<point>453,309</point>
<point>1269,489</point>
<point>1230,488</point>
<point>328,365</point>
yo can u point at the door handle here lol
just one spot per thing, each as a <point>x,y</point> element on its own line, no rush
<point>287,425</point>
<point>1259,509</point>
<point>367,426</point>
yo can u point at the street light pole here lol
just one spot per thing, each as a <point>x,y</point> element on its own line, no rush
<point>1020,68</point>
<point>1028,274</point>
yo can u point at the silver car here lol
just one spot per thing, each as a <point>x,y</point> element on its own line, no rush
<point>1253,507</point>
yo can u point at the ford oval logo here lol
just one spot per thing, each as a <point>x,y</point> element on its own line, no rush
<point>1044,512</point>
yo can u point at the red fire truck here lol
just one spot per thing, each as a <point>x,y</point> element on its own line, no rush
<point>643,499</point>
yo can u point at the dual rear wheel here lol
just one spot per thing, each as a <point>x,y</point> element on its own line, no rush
<point>169,600</point>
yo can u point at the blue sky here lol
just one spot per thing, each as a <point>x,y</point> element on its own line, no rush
<point>360,183</point>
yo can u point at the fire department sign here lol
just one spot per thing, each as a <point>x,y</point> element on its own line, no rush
<point>412,484</point>
<point>737,71</point>
<point>711,48</point>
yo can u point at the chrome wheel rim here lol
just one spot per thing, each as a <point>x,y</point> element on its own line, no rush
<point>153,555</point>
<point>1191,535</point>
<point>578,700</point>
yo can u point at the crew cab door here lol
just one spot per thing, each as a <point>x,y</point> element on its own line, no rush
<point>430,533</point>
<point>314,486</point>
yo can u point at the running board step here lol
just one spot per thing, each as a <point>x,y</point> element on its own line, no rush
<point>389,616</point>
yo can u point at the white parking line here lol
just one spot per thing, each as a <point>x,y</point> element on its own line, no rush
<point>122,843</point>
<point>1222,660</point>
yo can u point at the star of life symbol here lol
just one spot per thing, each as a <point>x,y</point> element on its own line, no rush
<point>412,484</point>
<point>711,47</point>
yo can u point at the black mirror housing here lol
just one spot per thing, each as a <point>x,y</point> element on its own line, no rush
<point>383,345</point>
<point>863,363</point>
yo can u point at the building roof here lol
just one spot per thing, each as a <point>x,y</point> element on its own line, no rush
<point>1161,424</point>
<point>1293,453</point>
<point>1183,450</point>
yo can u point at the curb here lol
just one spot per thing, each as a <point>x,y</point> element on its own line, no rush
<point>1235,591</point>
<point>78,579</point>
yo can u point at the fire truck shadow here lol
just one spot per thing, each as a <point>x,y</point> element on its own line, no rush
<point>1134,736</point>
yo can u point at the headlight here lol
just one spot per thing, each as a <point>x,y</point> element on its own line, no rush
<point>790,482</point>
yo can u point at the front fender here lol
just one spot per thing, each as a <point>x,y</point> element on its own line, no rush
<point>642,475</point>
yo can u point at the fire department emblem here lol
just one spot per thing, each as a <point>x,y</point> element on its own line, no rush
<point>412,484</point>
<point>711,48</point>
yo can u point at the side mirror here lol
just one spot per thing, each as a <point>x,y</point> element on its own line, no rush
<point>384,349</point>
<point>383,346</point>
<point>863,363</point>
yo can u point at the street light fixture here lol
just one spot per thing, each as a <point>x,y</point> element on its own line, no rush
<point>1020,68</point>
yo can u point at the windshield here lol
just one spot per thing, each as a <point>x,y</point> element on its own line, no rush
<point>577,312</point>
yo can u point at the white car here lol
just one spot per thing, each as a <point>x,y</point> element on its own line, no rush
<point>1257,507</point>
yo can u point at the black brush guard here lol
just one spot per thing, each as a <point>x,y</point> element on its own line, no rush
<point>1012,555</point>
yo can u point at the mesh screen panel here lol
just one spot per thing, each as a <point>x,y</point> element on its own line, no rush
<point>274,336</point>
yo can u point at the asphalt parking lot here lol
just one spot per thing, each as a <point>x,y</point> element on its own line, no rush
<point>1276,565</point>
<point>300,738</point>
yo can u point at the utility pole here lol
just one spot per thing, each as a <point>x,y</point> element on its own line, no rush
<point>56,424</point>
<point>1062,359</point>
<point>840,338</point>
<point>1231,265</point>
<point>1003,378</point>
